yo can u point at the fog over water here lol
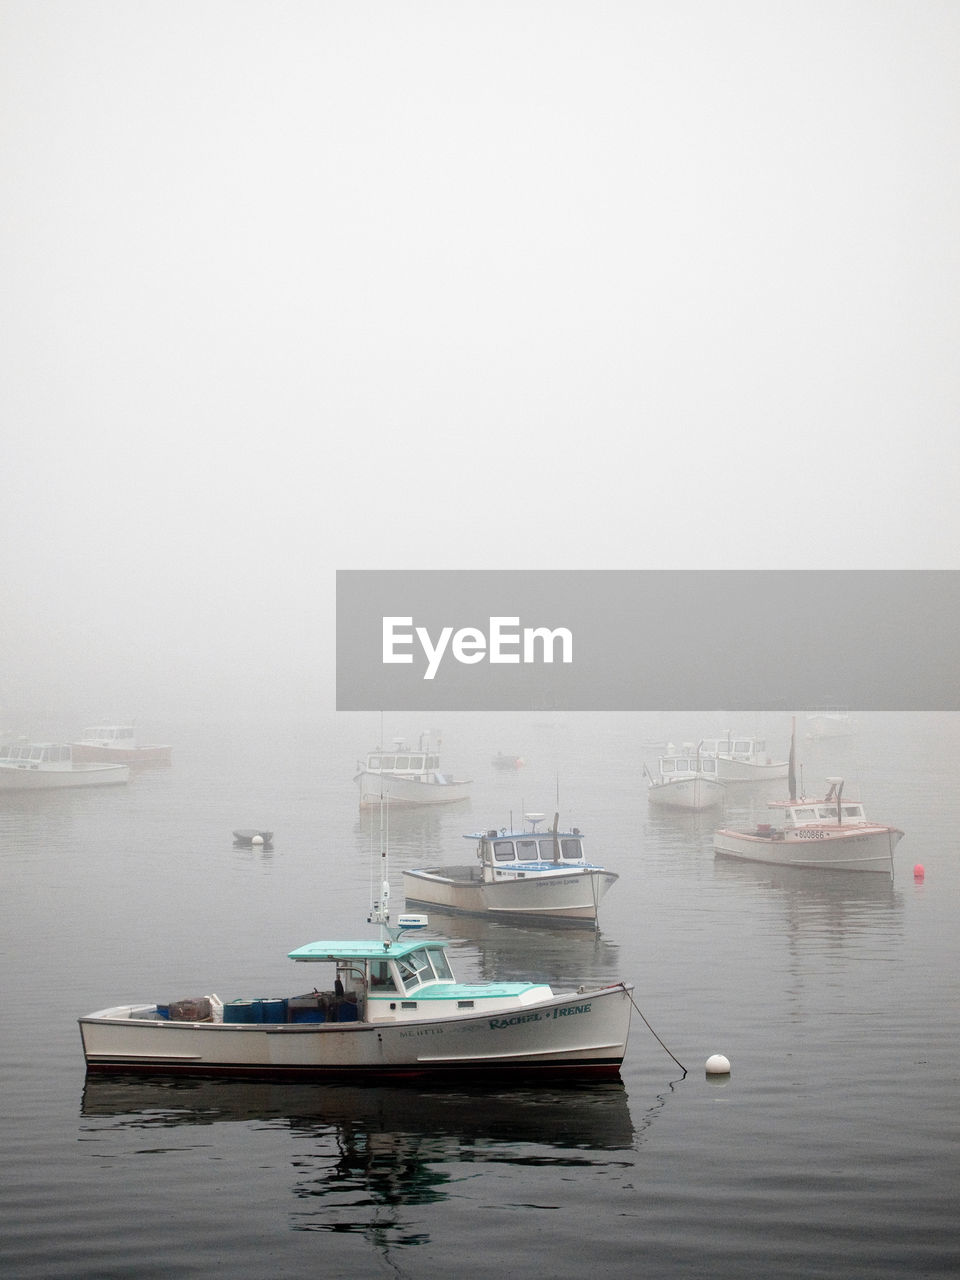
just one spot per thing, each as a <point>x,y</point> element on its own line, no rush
<point>297,287</point>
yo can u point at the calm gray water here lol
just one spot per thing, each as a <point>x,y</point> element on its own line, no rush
<point>831,1150</point>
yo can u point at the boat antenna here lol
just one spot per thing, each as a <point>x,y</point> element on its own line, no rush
<point>792,765</point>
<point>380,908</point>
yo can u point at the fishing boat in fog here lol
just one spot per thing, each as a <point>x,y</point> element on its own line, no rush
<point>742,759</point>
<point>390,1009</point>
<point>832,833</point>
<point>539,877</point>
<point>830,722</point>
<point>406,776</point>
<point>686,780</point>
<point>47,766</point>
<point>507,761</point>
<point>117,743</point>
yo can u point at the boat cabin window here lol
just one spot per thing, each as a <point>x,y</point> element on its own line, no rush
<point>503,851</point>
<point>381,976</point>
<point>528,851</point>
<point>853,811</point>
<point>571,849</point>
<point>416,968</point>
<point>667,766</point>
<point>743,747</point>
<point>804,815</point>
<point>387,762</point>
<point>708,765</point>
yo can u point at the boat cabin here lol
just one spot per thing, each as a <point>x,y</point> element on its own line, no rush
<point>806,814</point>
<point>734,748</point>
<point>687,766</point>
<point>109,735</point>
<point>407,762</point>
<point>515,848</point>
<point>35,753</point>
<point>384,981</point>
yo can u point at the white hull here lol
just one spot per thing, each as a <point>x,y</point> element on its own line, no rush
<point>750,771</point>
<point>101,753</point>
<point>827,726</point>
<point>545,896</point>
<point>690,794</point>
<point>866,848</point>
<point>573,1034</point>
<point>27,776</point>
<point>397,790</point>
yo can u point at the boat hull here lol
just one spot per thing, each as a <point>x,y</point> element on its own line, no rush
<point>31,777</point>
<point>576,1034</point>
<point>376,788</point>
<point>690,794</point>
<point>862,849</point>
<point>545,897</point>
<point>731,770</point>
<point>827,726</point>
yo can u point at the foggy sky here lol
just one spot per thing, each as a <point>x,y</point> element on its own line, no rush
<point>292,287</point>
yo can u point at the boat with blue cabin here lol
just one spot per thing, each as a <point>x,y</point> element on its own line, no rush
<point>540,877</point>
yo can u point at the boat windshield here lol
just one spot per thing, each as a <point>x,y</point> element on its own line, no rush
<point>538,849</point>
<point>423,966</point>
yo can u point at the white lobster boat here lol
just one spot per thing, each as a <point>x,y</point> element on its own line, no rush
<point>686,780</point>
<point>391,1009</point>
<point>117,743</point>
<point>407,776</point>
<point>830,722</point>
<point>743,759</point>
<point>533,876</point>
<point>832,833</point>
<point>47,766</point>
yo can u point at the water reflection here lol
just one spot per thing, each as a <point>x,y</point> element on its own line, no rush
<point>836,903</point>
<point>361,1154</point>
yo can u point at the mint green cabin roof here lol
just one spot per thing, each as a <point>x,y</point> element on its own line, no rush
<point>370,949</point>
<point>463,991</point>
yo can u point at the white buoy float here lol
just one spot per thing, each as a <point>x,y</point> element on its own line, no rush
<point>718,1065</point>
<point>257,840</point>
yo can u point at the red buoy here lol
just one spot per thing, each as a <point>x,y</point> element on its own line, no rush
<point>918,872</point>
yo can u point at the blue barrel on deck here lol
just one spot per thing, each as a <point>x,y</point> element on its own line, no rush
<point>255,1011</point>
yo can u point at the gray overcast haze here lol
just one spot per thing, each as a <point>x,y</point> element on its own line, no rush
<point>292,287</point>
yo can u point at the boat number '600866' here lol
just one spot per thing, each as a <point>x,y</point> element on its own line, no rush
<point>497,1023</point>
<point>809,835</point>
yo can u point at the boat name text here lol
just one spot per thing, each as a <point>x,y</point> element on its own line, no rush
<point>496,1024</point>
<point>504,642</point>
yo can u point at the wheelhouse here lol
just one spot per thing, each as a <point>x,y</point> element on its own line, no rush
<point>35,753</point>
<point>506,848</point>
<point>407,762</point>
<point>121,734</point>
<point>675,766</point>
<point>734,748</point>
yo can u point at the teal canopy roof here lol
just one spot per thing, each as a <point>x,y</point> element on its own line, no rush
<point>369,949</point>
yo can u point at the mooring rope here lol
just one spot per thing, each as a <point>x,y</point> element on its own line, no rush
<point>651,1030</point>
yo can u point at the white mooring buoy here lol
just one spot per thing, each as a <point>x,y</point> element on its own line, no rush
<point>718,1065</point>
<point>257,840</point>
